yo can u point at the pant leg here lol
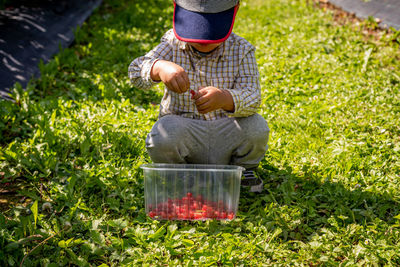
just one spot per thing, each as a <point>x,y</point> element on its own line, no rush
<point>240,141</point>
<point>175,139</point>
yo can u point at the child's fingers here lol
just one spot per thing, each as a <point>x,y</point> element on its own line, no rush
<point>177,85</point>
<point>174,86</point>
<point>187,81</point>
<point>200,98</point>
<point>203,108</point>
<point>200,90</point>
<point>169,86</point>
<point>181,84</point>
<point>199,94</point>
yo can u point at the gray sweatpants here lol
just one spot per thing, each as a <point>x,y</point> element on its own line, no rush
<point>228,141</point>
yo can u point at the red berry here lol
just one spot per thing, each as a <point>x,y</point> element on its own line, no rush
<point>199,198</point>
<point>198,215</point>
<point>223,215</point>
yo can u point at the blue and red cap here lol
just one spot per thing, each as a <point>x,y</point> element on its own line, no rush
<point>204,21</point>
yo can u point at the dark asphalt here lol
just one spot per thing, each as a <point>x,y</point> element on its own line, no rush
<point>34,31</point>
<point>387,11</point>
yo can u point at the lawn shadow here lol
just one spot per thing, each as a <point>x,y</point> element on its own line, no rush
<point>313,203</point>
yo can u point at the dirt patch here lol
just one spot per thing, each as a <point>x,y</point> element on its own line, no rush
<point>369,27</point>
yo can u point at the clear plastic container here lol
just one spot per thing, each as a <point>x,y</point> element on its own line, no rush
<point>191,192</point>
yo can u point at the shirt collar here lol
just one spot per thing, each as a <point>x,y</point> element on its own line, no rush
<point>218,53</point>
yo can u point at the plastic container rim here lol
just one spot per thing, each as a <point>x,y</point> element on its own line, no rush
<point>191,167</point>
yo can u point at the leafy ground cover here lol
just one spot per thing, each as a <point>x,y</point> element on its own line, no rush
<point>73,142</point>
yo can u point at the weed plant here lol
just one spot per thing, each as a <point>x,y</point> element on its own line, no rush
<point>75,139</point>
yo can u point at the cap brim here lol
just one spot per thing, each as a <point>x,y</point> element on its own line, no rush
<point>207,28</point>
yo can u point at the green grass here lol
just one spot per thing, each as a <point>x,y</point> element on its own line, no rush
<point>75,139</point>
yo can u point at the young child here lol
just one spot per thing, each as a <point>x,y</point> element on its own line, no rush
<point>208,114</point>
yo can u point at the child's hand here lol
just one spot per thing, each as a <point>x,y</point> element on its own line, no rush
<point>210,98</point>
<point>172,75</point>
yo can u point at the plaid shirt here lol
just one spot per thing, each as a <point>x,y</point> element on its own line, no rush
<point>231,66</point>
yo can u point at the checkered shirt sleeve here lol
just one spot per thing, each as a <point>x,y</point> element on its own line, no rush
<point>246,89</point>
<point>140,68</point>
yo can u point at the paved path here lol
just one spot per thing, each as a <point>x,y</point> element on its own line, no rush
<point>35,31</point>
<point>387,11</point>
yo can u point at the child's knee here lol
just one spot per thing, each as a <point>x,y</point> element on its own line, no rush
<point>257,130</point>
<point>166,134</point>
